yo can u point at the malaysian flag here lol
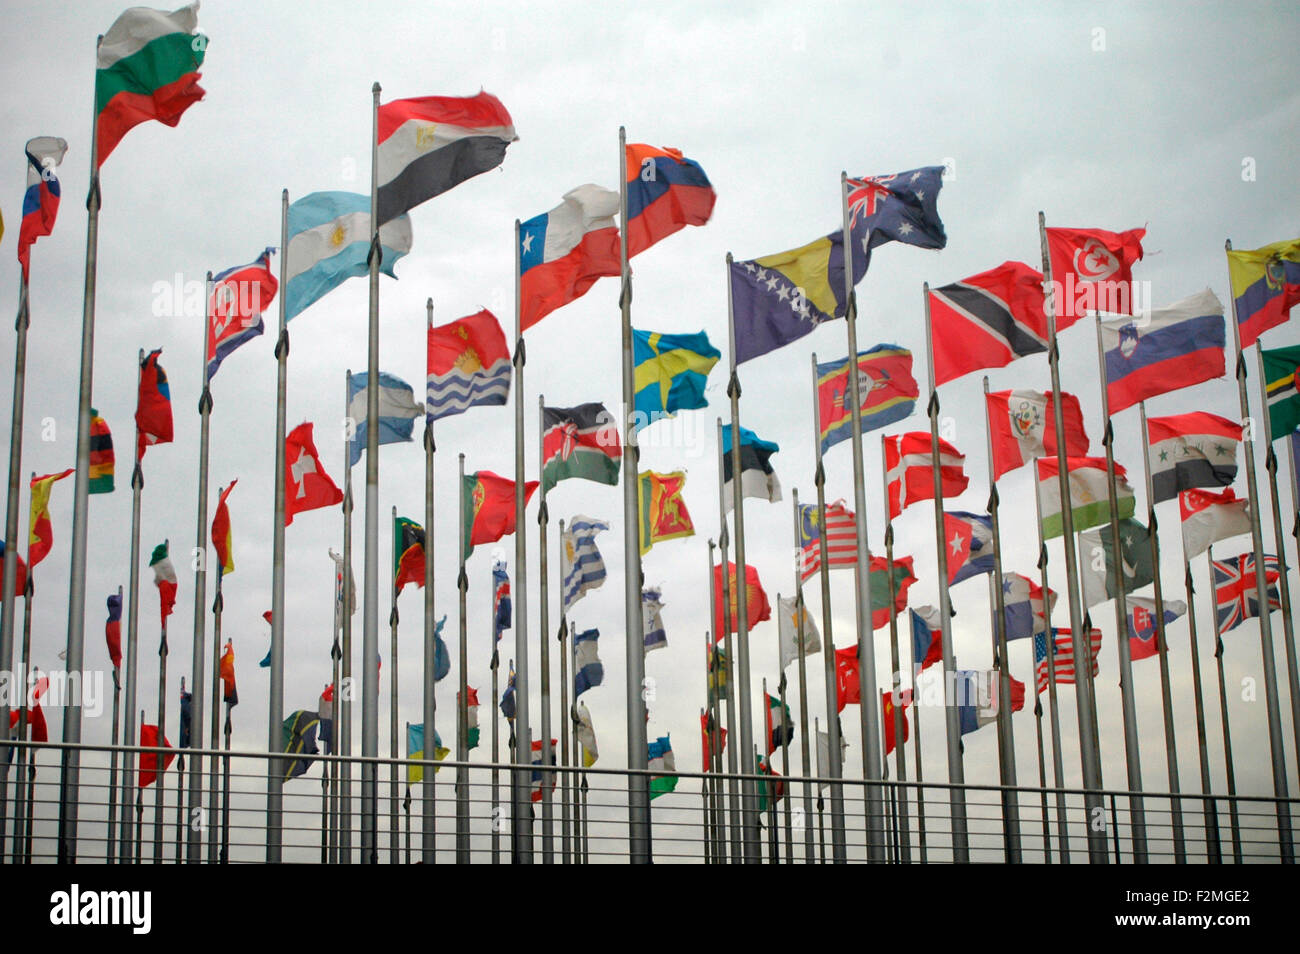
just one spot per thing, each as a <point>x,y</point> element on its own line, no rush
<point>1064,661</point>
<point>841,538</point>
<point>1234,589</point>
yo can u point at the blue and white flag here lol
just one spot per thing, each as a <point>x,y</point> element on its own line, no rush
<point>397,411</point>
<point>969,537</point>
<point>1142,624</point>
<point>508,697</point>
<point>582,568</point>
<point>652,623</point>
<point>441,660</point>
<point>587,669</point>
<point>1022,604</point>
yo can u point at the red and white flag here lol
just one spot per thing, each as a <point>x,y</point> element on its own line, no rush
<point>1092,270</point>
<point>306,485</point>
<point>1063,660</point>
<point>907,466</point>
<point>1022,426</point>
<point>841,538</point>
<point>987,320</point>
<point>564,251</point>
<point>1209,517</point>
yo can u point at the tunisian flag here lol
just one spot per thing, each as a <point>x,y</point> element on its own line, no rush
<point>1092,270</point>
<point>306,485</point>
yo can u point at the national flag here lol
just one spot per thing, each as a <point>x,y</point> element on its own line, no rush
<point>1022,606</point>
<point>229,691</point>
<point>841,538</point>
<point>1092,270</point>
<point>1170,348</point>
<point>488,512</point>
<point>299,735</point>
<point>927,637</point>
<point>102,459</point>
<point>1191,450</point>
<point>164,577</point>
<point>325,710</point>
<point>824,757</point>
<point>187,716</point>
<point>415,751</point>
<point>665,192</point>
<point>1208,518</point>
<point>796,632</point>
<point>41,200</point>
<point>772,791</point>
<point>588,671</point>
<point>306,485</point>
<point>20,576</point>
<point>222,540</point>
<point>153,410</point>
<point>471,718</point>
<point>329,242</point>
<point>887,716</point>
<point>508,698</point>
<point>408,553</point>
<point>1097,561</point>
<point>779,723</point>
<point>500,601</point>
<point>1235,594</point>
<point>469,365</point>
<point>717,673</point>
<point>878,583</point>
<point>663,512</point>
<point>1281,374</point>
<point>885,384</point>
<point>41,536</point>
<point>1022,426</point>
<point>1265,286</point>
<point>37,729</point>
<point>113,630</point>
<point>987,320</point>
<point>580,441</point>
<point>441,660</point>
<point>343,604</point>
<point>1142,624</point>
<point>239,297</point>
<point>564,251</point>
<point>147,67</point>
<point>1089,497</point>
<point>1063,660</point>
<point>709,732</point>
<point>398,410</point>
<point>538,755</point>
<point>757,608</point>
<point>969,538</point>
<point>908,469</point>
<point>652,623</point>
<point>977,697</point>
<point>659,759</point>
<point>848,691</point>
<point>586,733</point>
<point>903,208</point>
<point>757,478</point>
<point>669,373</point>
<point>148,763</point>
<point>266,660</point>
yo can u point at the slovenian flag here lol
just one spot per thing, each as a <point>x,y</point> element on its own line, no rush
<point>1142,624</point>
<point>665,193</point>
<point>1191,450</point>
<point>398,410</point>
<point>562,252</point>
<point>113,630</point>
<point>239,297</point>
<point>41,200</point>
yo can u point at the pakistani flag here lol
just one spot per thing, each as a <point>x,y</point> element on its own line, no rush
<point>1282,374</point>
<point>1097,561</point>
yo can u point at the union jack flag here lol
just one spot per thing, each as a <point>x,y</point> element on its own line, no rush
<point>1234,589</point>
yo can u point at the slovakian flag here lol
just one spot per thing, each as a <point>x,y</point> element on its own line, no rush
<point>20,576</point>
<point>841,537</point>
<point>757,608</point>
<point>408,550</point>
<point>1191,450</point>
<point>229,691</point>
<point>582,442</point>
<point>41,538</point>
<point>887,716</point>
<point>469,365</point>
<point>885,385</point>
<point>1142,625</point>
<point>398,410</point>
<point>562,252</point>
<point>662,510</point>
<point>149,760</point>
<point>1022,606</point>
<point>1210,517</point>
<point>987,320</point>
<point>41,200</point>
<point>1171,348</point>
<point>910,478</point>
<point>1235,593</point>
<point>665,193</point>
<point>1092,270</point>
<point>1089,495</point>
<point>222,541</point>
<point>239,297</point>
<point>927,637</point>
<point>757,476</point>
<point>488,507</point>
<point>102,458</point>
<point>113,630</point>
<point>969,537</point>
<point>1022,426</point>
<point>153,409</point>
<point>1265,286</point>
<point>306,485</point>
<point>431,144</point>
<point>164,577</point>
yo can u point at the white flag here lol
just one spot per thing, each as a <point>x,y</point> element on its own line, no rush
<point>807,635</point>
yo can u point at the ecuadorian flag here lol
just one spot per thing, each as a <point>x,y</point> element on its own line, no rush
<point>670,373</point>
<point>1265,284</point>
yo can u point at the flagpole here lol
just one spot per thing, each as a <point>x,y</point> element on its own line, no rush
<point>566,717</point>
<point>785,767</point>
<point>496,754</point>
<point>349,431</point>
<point>805,755</point>
<point>704,784</point>
<point>110,842</point>
<point>462,720</point>
<point>394,837</point>
<point>1042,773</point>
<point>159,785</point>
<point>332,768</point>
<point>1214,850</point>
<point>139,805</point>
<point>406,813</point>
<point>428,789</point>
<point>1162,647</point>
<point>712,687</point>
<point>916,744</point>
<point>26,755</point>
<point>838,849</point>
<point>1229,764</point>
<point>209,819</point>
<point>130,734</point>
<point>548,823</point>
<point>1049,643</point>
<point>225,793</point>
<point>1275,732</point>
<point>1090,758</point>
<point>180,781</point>
<point>821,820</point>
<point>728,627</point>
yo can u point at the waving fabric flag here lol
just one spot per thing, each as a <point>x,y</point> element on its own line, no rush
<point>221,537</point>
<point>102,459</point>
<point>581,565</point>
<point>927,637</point>
<point>501,605</point>
<point>398,410</point>
<point>306,485</point>
<point>1281,374</point>
<point>663,512</point>
<point>489,511</point>
<point>1022,606</point>
<point>717,674</point>
<point>415,750</point>
<point>20,577</point>
<point>587,668</point>
<point>848,691</point>
<point>1097,561</point>
<point>987,320</point>
<point>907,464</point>
<point>1063,659</point>
<point>1089,497</point>
<point>471,721</point>
<point>148,762</point>
<point>147,68</point>
<point>757,478</point>
<point>408,549</point>
<point>769,792</point>
<point>708,731</point>
<point>240,296</point>
<point>665,193</point>
<point>1142,624</point>
<point>564,251</point>
<point>1092,270</point>
<point>299,734</point>
<point>41,537</point>
<point>887,716</point>
<point>229,691</point>
<point>164,577</point>
<point>841,538</point>
<point>885,384</point>
<point>586,733</point>
<point>538,756</point>
<point>670,372</point>
<point>153,410</point>
<point>1171,348</point>
<point>1191,450</point>
<point>1235,593</point>
<point>659,759</point>
<point>757,607</point>
<point>41,200</point>
<point>469,365</point>
<point>441,659</point>
<point>431,144</point>
<point>1022,426</point>
<point>187,716</point>
<point>113,630</point>
<point>978,697</point>
<point>652,623</point>
<point>903,208</point>
<point>970,544</point>
<point>878,583</point>
<point>580,441</point>
<point>1209,517</point>
<point>796,632</point>
<point>1265,286</point>
<point>779,723</point>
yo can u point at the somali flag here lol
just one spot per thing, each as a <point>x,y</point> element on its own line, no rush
<point>397,411</point>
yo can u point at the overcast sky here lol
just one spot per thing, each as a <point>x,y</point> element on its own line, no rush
<point>1179,117</point>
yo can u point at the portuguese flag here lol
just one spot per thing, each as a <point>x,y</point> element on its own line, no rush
<point>488,508</point>
<point>146,68</point>
<point>408,553</point>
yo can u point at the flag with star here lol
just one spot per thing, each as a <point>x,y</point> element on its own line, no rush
<point>903,208</point>
<point>306,485</point>
<point>970,544</point>
<point>1191,450</point>
<point>1097,561</point>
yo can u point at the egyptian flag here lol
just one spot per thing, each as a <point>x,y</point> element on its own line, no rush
<point>580,441</point>
<point>228,691</point>
<point>164,577</point>
<point>42,532</point>
<point>149,760</point>
<point>564,251</point>
<point>408,545</point>
<point>488,507</point>
<point>907,465</point>
<point>153,410</point>
<point>221,536</point>
<point>306,485</point>
<point>757,607</point>
<point>431,144</point>
<point>987,320</point>
<point>665,193</point>
<point>1191,450</point>
<point>41,200</point>
<point>239,297</point>
<point>113,630</point>
<point>1092,270</point>
<point>102,459</point>
<point>757,478</point>
<point>20,577</point>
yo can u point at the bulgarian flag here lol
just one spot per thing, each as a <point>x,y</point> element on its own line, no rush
<point>164,577</point>
<point>1089,499</point>
<point>146,68</point>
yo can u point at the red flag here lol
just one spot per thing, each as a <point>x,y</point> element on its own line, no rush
<point>221,538</point>
<point>239,296</point>
<point>887,715</point>
<point>757,607</point>
<point>707,743</point>
<point>42,533</point>
<point>113,630</point>
<point>306,485</point>
<point>489,512</point>
<point>1092,270</point>
<point>228,691</point>
<point>987,320</point>
<point>38,731</point>
<point>847,690</point>
<point>149,760</point>
<point>153,410</point>
<point>1022,426</point>
<point>907,464</point>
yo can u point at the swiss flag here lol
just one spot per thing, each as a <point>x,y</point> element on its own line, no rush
<point>1092,270</point>
<point>306,485</point>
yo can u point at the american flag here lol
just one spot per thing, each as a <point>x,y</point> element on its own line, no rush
<point>1234,589</point>
<point>841,538</point>
<point>1064,661</point>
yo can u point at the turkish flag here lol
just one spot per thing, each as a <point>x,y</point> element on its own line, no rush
<point>306,485</point>
<point>847,690</point>
<point>1092,270</point>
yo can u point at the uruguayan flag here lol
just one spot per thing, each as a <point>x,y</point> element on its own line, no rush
<point>582,568</point>
<point>652,623</point>
<point>397,411</point>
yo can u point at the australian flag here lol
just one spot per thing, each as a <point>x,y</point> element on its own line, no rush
<point>903,207</point>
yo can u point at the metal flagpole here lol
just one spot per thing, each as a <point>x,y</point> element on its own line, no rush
<point>139,808</point>
<point>866,643</point>
<point>406,814</point>
<point>952,714</point>
<point>110,841</point>
<point>428,787</point>
<point>1229,765</point>
<point>394,846</point>
<point>1049,638</point>
<point>900,756</point>
<point>180,781</point>
<point>332,768</point>
<point>712,688</point>
<point>462,712</point>
<point>1132,745</point>
<point>704,785</point>
<point>836,768</point>
<point>275,697</point>
<point>130,734</point>
<point>548,823</point>
<point>225,793</point>
<point>916,744</point>
<point>728,627</point>
<point>1162,647</point>
<point>1042,773</point>
<point>26,755</point>
<point>159,785</point>
<point>349,431</point>
<point>566,720</point>
<point>496,753</point>
<point>821,820</point>
<point>997,605</point>
<point>800,617</point>
<point>210,817</point>
<point>1090,758</point>
<point>1213,847</point>
<point>785,767</point>
<point>637,751</point>
<point>1275,732</point>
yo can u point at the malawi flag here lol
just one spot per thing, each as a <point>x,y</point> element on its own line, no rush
<point>147,68</point>
<point>102,459</point>
<point>562,252</point>
<point>885,385</point>
<point>431,144</point>
<point>1265,286</point>
<point>153,410</point>
<point>408,553</point>
<point>42,533</point>
<point>488,508</point>
<point>113,630</point>
<point>987,320</point>
<point>164,577</point>
<point>665,193</point>
<point>221,536</point>
<point>41,200</point>
<point>579,441</point>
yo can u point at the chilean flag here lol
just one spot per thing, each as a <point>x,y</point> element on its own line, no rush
<point>562,252</point>
<point>665,192</point>
<point>41,200</point>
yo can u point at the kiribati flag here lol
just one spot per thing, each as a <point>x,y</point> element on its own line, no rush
<point>885,384</point>
<point>468,365</point>
<point>41,200</point>
<point>239,297</point>
<point>665,192</point>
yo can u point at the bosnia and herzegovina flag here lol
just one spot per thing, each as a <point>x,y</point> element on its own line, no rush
<point>488,507</point>
<point>153,410</point>
<point>408,553</point>
<point>665,193</point>
<point>41,200</point>
<point>670,372</point>
<point>222,540</point>
<point>102,458</point>
<point>1265,285</point>
<point>886,386</point>
<point>42,533</point>
<point>146,68</point>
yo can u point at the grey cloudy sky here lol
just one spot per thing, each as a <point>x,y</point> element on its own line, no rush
<point>1101,115</point>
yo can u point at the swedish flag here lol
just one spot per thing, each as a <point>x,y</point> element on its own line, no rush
<point>671,371</point>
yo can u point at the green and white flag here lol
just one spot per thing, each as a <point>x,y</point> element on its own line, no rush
<point>1097,561</point>
<point>660,760</point>
<point>1089,501</point>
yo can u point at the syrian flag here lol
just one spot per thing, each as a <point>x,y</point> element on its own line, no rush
<point>306,485</point>
<point>907,464</point>
<point>1022,606</point>
<point>41,200</point>
<point>1022,426</point>
<point>153,410</point>
<point>1092,270</point>
<point>587,668</point>
<point>1191,450</point>
<point>164,577</point>
<point>582,442</point>
<point>564,251</point>
<point>1089,497</point>
<point>1097,561</point>
<point>1209,518</point>
<point>987,320</point>
<point>757,478</point>
<point>1142,624</point>
<point>969,538</point>
<point>927,638</point>
<point>239,297</point>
